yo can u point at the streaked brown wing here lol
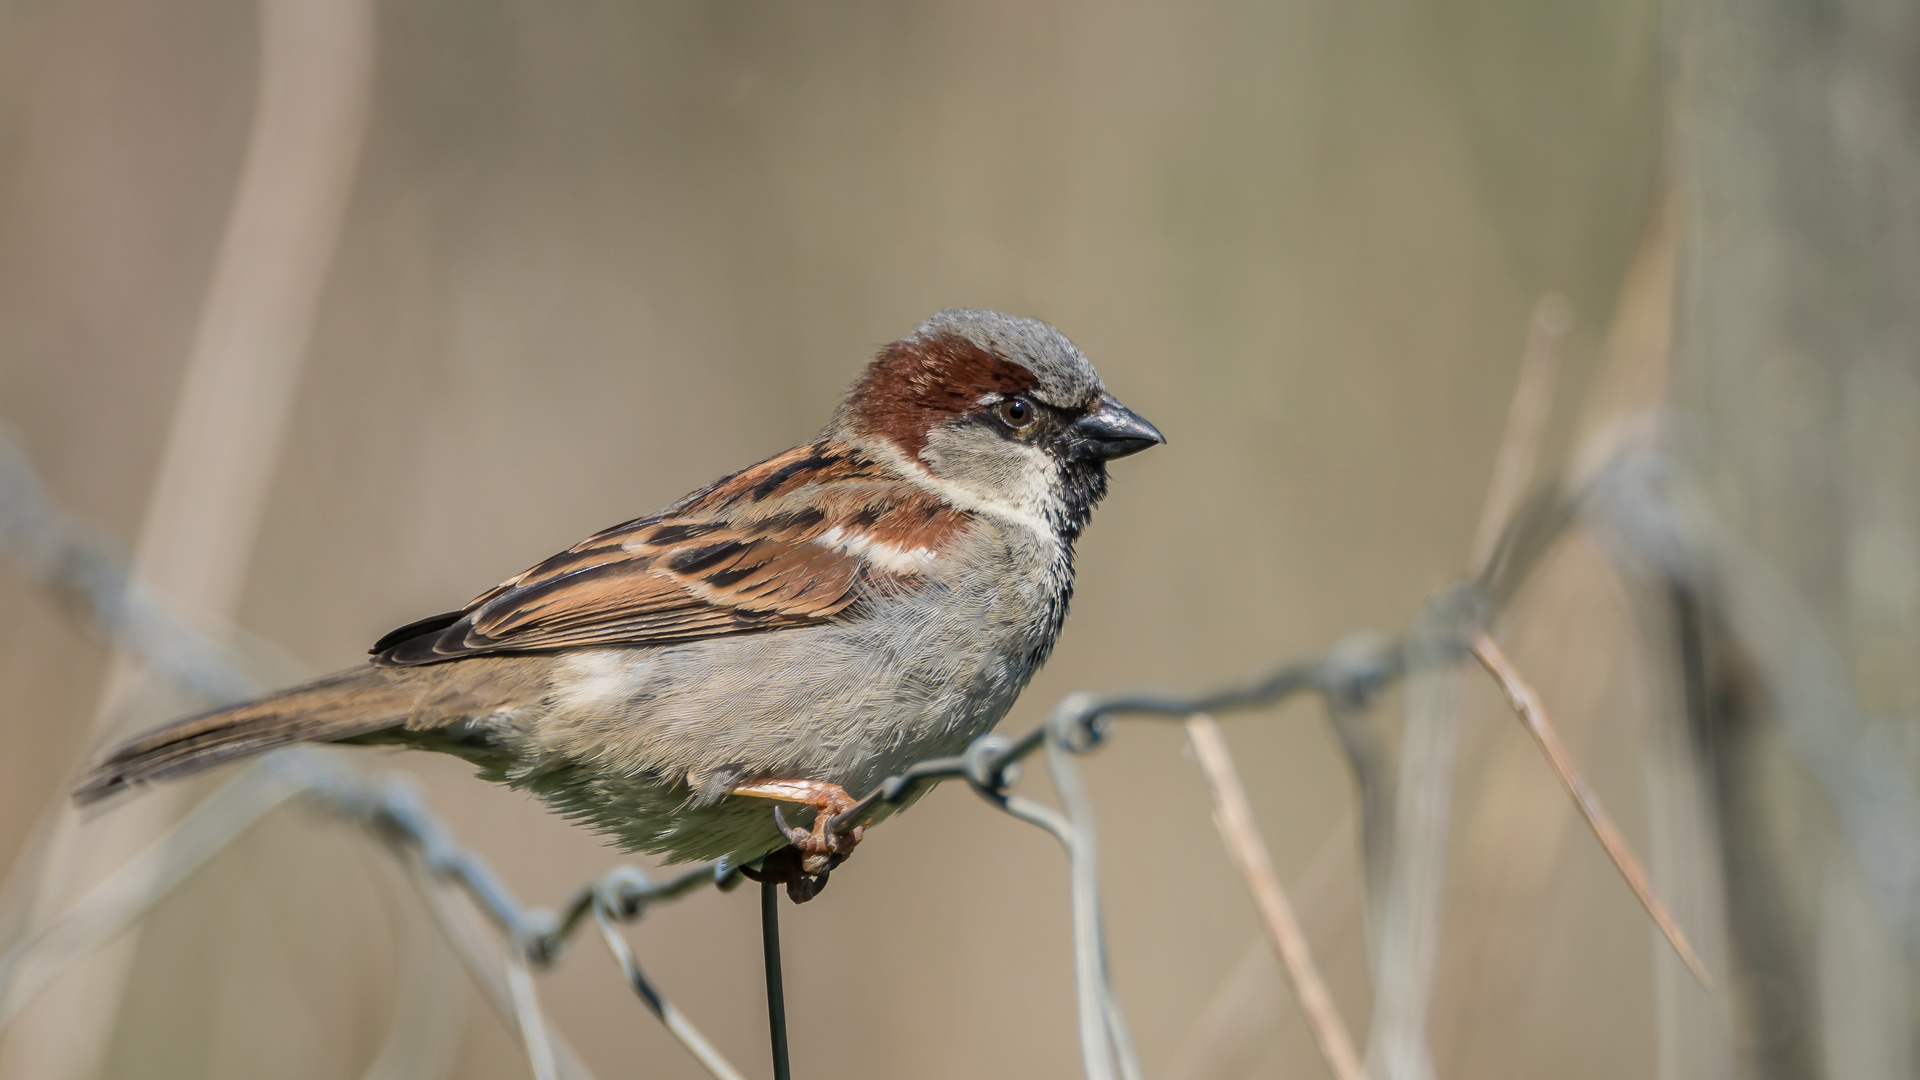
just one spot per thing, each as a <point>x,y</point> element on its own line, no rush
<point>785,543</point>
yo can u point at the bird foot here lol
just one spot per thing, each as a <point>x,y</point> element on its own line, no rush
<point>789,866</point>
<point>813,852</point>
<point>827,801</point>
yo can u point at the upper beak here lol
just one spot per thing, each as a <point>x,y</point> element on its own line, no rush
<point>1110,431</point>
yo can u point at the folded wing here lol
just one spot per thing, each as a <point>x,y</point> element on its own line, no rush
<point>793,541</point>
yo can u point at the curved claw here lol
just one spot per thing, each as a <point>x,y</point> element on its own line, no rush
<point>821,840</point>
<point>798,837</point>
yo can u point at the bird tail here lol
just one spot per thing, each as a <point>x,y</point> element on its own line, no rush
<point>343,706</point>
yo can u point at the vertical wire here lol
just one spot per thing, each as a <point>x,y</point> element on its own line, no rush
<point>776,990</point>
<point>1106,1044</point>
<point>526,1012</point>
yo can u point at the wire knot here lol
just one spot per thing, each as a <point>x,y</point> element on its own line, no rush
<point>987,770</point>
<point>1079,723</point>
<point>1358,667</point>
<point>622,891</point>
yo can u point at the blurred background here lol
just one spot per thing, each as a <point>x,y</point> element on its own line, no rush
<point>330,315</point>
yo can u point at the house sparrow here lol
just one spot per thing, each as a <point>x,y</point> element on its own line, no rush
<point>795,631</point>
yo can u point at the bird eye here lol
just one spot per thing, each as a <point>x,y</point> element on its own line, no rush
<point>1016,412</point>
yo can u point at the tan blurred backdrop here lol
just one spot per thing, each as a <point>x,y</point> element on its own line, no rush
<point>598,254</point>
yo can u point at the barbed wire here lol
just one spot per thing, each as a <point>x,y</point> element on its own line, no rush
<point>1629,504</point>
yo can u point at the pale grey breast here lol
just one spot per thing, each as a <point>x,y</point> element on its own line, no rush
<point>918,673</point>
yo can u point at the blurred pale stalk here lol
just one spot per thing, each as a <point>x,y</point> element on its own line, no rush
<point>1690,1029</point>
<point>1527,411</point>
<point>316,73</point>
<point>1799,134</point>
<point>1863,989</point>
<point>1630,390</point>
<point>1410,912</point>
<point>1410,922</point>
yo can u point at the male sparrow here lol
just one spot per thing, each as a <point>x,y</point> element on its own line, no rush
<point>795,631</point>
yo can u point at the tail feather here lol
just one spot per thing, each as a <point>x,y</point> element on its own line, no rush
<point>352,703</point>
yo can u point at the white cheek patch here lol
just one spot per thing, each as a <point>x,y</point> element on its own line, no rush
<point>963,498</point>
<point>1033,487</point>
<point>889,557</point>
<point>594,678</point>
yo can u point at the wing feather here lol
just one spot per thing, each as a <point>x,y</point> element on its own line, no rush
<point>793,541</point>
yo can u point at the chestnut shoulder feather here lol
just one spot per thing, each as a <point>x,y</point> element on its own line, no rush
<point>793,541</point>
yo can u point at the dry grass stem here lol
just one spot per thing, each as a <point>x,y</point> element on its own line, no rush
<point>1225,1037</point>
<point>1513,466</point>
<point>1235,820</point>
<point>1526,705</point>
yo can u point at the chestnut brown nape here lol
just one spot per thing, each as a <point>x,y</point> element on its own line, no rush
<point>916,384</point>
<point>951,362</point>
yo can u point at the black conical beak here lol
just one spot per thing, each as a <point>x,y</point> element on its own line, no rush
<point>1110,431</point>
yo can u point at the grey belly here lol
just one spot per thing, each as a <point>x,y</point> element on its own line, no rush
<point>644,743</point>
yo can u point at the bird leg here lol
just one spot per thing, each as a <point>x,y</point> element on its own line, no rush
<point>826,799</point>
